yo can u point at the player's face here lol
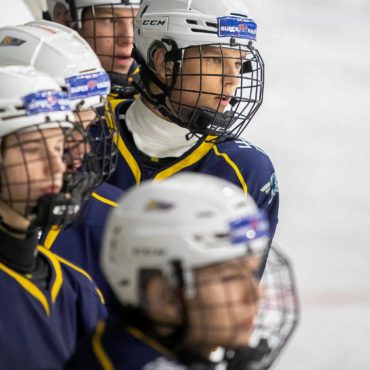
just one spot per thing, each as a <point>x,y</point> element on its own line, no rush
<point>110,34</point>
<point>32,166</point>
<point>224,309</point>
<point>208,78</point>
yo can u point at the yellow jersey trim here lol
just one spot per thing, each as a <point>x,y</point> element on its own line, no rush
<point>149,341</point>
<point>83,272</point>
<point>128,157</point>
<point>51,236</point>
<point>98,348</point>
<point>58,282</point>
<point>191,159</point>
<point>234,167</point>
<point>104,200</point>
<point>28,286</point>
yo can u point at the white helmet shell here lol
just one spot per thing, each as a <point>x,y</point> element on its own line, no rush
<point>194,218</point>
<point>29,97</point>
<point>58,51</point>
<point>80,4</point>
<point>193,22</point>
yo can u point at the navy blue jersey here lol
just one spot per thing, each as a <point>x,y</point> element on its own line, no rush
<point>237,161</point>
<point>40,328</point>
<point>113,346</point>
<point>81,242</point>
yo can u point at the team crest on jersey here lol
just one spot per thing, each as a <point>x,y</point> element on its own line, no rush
<point>271,188</point>
<point>11,41</point>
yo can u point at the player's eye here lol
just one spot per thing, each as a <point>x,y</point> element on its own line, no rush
<point>31,149</point>
<point>215,60</point>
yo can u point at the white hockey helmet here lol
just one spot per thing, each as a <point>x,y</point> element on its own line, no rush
<point>75,7</point>
<point>29,97</point>
<point>61,53</point>
<point>194,22</point>
<point>196,219</point>
<point>175,25</point>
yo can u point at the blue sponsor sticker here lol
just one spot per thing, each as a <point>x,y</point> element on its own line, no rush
<point>11,41</point>
<point>238,27</point>
<point>249,228</point>
<point>46,101</point>
<point>87,85</point>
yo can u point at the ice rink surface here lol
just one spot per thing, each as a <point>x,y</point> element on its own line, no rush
<point>315,125</point>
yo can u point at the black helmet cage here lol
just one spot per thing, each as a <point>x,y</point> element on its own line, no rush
<point>185,283</point>
<point>53,206</point>
<point>101,158</point>
<point>276,320</point>
<point>203,121</point>
<point>121,83</point>
<point>278,311</point>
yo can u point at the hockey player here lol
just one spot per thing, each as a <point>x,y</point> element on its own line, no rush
<point>108,28</point>
<point>76,69</point>
<point>47,304</point>
<point>203,82</point>
<point>181,256</point>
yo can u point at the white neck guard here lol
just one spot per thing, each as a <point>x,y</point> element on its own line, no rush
<point>155,136</point>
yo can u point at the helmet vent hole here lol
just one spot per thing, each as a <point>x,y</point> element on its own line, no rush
<point>203,31</point>
<point>191,21</point>
<point>211,24</point>
<point>239,15</point>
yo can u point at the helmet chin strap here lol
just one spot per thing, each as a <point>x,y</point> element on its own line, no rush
<point>54,209</point>
<point>248,358</point>
<point>121,84</point>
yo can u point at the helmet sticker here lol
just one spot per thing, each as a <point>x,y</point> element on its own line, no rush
<point>157,23</point>
<point>84,86</point>
<point>249,228</point>
<point>11,41</point>
<point>239,27</point>
<point>46,101</point>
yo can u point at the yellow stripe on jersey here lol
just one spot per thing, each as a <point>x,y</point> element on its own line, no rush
<point>234,167</point>
<point>28,286</point>
<point>104,200</point>
<point>98,348</point>
<point>58,272</point>
<point>51,236</point>
<point>149,341</point>
<point>191,159</point>
<point>114,102</point>
<point>83,272</point>
<point>122,148</point>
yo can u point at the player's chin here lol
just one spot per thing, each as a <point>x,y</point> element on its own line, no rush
<point>123,68</point>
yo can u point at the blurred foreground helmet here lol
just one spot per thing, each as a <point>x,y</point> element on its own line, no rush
<point>213,75</point>
<point>191,222</point>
